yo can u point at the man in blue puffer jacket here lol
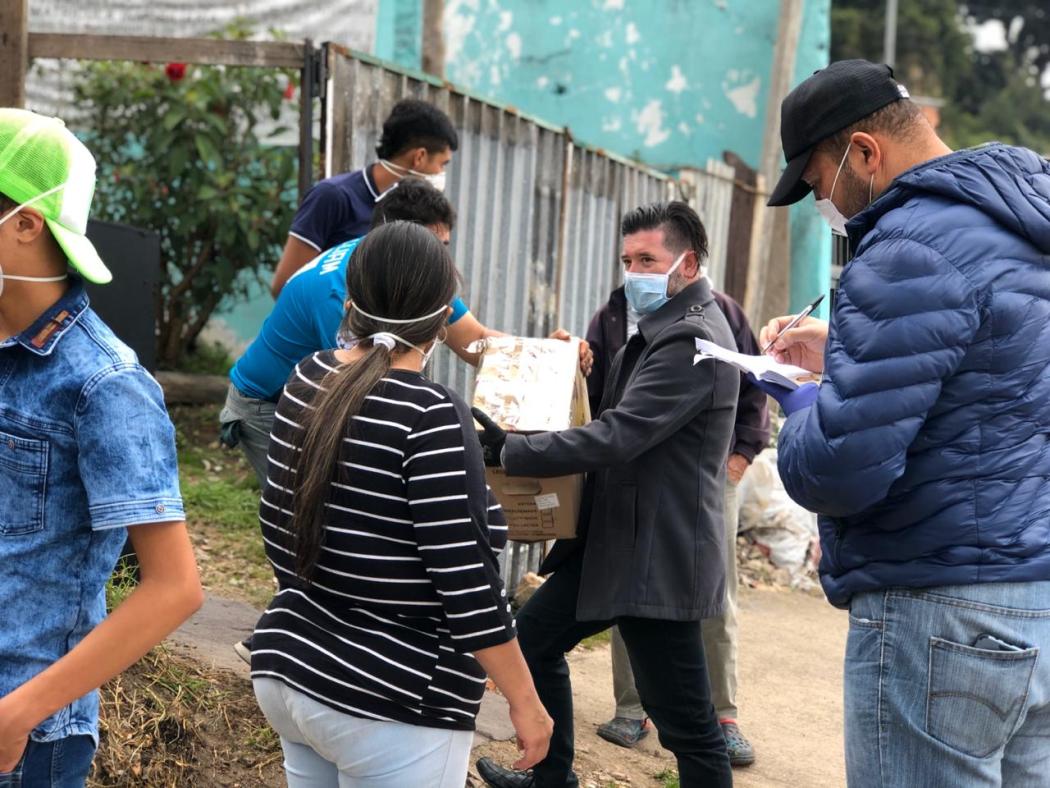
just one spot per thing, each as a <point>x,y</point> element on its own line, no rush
<point>926,448</point>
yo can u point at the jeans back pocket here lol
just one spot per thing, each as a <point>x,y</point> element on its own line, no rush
<point>976,695</point>
<point>23,479</point>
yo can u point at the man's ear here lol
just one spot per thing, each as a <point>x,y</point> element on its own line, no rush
<point>870,151</point>
<point>27,224</point>
<point>691,264</point>
<point>419,159</point>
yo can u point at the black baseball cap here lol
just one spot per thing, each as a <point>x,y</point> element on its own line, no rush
<point>832,99</point>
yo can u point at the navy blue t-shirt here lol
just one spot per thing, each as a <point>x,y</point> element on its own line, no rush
<point>336,210</point>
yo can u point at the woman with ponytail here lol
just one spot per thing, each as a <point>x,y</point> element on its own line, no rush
<point>370,662</point>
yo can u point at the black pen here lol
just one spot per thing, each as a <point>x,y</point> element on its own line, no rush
<point>798,319</point>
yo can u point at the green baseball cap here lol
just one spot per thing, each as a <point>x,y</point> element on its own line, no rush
<point>43,166</point>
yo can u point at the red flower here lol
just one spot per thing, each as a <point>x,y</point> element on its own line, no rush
<point>175,71</point>
<point>289,91</point>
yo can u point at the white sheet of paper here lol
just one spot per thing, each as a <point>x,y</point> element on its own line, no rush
<point>762,367</point>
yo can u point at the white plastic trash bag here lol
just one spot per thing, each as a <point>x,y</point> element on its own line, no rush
<point>774,521</point>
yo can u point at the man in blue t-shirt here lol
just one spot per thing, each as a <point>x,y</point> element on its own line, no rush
<point>417,142</point>
<point>306,319</point>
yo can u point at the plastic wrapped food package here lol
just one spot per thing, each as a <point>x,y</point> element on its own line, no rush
<point>529,385</point>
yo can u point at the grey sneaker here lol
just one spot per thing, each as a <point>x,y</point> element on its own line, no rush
<point>244,649</point>
<point>741,753</point>
<point>623,731</point>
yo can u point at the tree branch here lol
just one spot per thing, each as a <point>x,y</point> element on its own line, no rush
<point>187,279</point>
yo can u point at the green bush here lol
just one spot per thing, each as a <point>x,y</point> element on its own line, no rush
<point>179,152</point>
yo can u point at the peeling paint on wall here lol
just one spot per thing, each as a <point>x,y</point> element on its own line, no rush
<point>672,82</point>
<point>677,83</point>
<point>514,45</point>
<point>650,122</point>
<point>744,97</point>
<point>586,62</point>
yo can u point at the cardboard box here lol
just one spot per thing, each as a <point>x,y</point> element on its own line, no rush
<point>537,509</point>
<point>534,385</point>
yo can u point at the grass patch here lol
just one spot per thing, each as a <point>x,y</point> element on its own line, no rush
<point>208,358</point>
<point>597,641</point>
<point>120,584</point>
<point>169,721</point>
<point>224,503</point>
<point>221,495</point>
<point>668,778</point>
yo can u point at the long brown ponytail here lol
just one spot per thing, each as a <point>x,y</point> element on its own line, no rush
<point>399,271</point>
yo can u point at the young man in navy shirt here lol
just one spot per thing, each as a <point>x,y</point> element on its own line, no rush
<point>417,141</point>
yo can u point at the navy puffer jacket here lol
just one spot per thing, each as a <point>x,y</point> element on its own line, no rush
<point>928,449</point>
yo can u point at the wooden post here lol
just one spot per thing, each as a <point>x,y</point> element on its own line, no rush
<point>788,29</point>
<point>14,52</point>
<point>433,60</point>
<point>310,85</point>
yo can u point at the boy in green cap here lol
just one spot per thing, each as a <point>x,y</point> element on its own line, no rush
<point>86,452</point>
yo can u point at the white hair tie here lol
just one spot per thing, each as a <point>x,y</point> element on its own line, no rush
<point>389,341</point>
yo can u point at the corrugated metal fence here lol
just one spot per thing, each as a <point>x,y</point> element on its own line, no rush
<point>537,238</point>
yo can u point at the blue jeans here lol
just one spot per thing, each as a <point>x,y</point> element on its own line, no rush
<point>325,748</point>
<point>946,687</point>
<point>63,763</point>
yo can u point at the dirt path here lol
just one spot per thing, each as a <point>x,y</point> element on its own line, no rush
<point>790,701</point>
<point>790,694</point>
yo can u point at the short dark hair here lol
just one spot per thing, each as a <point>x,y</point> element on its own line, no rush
<point>416,124</point>
<point>898,119</point>
<point>414,200</point>
<point>6,203</point>
<point>682,228</point>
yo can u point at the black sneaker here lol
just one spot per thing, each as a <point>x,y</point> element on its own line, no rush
<point>624,731</point>
<point>496,776</point>
<point>741,753</point>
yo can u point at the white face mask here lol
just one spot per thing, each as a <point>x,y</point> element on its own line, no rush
<point>7,216</point>
<point>437,180</point>
<point>826,208</point>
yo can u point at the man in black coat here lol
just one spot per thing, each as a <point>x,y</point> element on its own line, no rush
<point>649,555</point>
<point>610,329</point>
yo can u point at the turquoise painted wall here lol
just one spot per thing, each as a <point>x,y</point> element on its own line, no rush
<point>399,31</point>
<point>810,236</point>
<point>669,82</point>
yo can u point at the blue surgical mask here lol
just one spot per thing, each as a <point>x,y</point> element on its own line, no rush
<point>648,292</point>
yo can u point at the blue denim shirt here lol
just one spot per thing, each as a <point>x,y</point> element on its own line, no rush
<point>86,449</point>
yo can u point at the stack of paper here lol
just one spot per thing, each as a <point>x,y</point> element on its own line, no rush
<point>762,367</point>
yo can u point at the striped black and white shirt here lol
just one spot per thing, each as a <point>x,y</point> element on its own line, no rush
<point>407,585</point>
